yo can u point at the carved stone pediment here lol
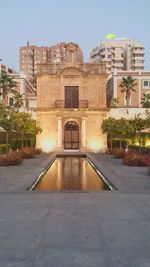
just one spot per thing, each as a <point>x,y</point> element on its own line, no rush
<point>72,71</point>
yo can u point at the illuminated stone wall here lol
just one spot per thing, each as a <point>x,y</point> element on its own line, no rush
<point>48,139</point>
<point>92,87</point>
<point>95,139</point>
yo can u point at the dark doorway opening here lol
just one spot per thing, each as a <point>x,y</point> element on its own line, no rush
<point>71,96</point>
<point>71,135</point>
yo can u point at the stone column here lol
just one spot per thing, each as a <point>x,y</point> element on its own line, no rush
<point>60,133</point>
<point>83,133</point>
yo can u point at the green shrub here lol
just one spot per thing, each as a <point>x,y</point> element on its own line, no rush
<point>116,143</point>
<point>16,143</point>
<point>142,149</point>
<point>3,148</point>
<point>133,147</point>
<point>28,142</point>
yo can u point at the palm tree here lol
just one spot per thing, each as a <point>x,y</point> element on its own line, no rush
<point>145,100</point>
<point>127,86</point>
<point>113,102</point>
<point>4,82</point>
<point>18,100</point>
<point>7,84</point>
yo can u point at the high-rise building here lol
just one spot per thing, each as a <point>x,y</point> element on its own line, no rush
<point>65,53</point>
<point>31,56</point>
<point>6,69</point>
<point>120,54</point>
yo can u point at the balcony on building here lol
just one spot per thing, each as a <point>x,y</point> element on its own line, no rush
<point>137,63</point>
<point>138,50</point>
<point>70,104</point>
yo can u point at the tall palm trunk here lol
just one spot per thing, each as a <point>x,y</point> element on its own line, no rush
<point>128,103</point>
<point>127,86</point>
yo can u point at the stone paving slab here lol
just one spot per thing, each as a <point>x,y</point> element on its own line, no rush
<point>72,257</point>
<point>118,207</point>
<point>75,257</point>
<point>128,243</point>
<point>74,229</point>
<point>18,178</point>
<point>109,228</point>
<point>125,178</point>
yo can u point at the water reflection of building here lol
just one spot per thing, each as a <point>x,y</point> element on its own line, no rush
<point>71,173</point>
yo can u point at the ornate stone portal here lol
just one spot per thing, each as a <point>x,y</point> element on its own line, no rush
<point>71,100</point>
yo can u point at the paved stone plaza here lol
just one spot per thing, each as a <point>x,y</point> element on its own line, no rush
<point>75,229</point>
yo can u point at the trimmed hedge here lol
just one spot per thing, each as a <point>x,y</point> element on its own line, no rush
<point>142,149</point>
<point>116,143</point>
<point>28,142</point>
<point>16,143</point>
<point>3,148</point>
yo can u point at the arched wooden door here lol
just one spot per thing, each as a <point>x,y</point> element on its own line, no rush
<point>71,135</point>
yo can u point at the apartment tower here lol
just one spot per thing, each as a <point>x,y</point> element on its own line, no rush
<point>31,56</point>
<point>120,54</point>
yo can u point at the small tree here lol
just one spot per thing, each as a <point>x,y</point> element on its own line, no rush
<point>113,102</point>
<point>120,129</point>
<point>109,127</point>
<point>140,124</point>
<point>124,130</point>
<point>145,100</point>
<point>32,129</point>
<point>7,84</point>
<point>24,124</point>
<point>21,122</point>
<point>6,122</point>
<point>18,100</point>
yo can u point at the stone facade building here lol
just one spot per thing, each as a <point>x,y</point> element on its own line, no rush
<point>71,105</point>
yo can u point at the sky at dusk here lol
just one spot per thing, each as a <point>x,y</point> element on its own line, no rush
<point>86,22</point>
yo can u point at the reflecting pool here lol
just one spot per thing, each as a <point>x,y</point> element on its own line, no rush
<point>71,173</point>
